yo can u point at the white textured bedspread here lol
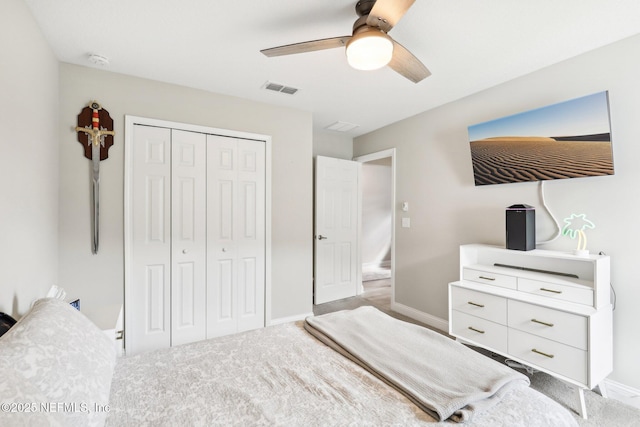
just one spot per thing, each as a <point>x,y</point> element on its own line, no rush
<point>282,376</point>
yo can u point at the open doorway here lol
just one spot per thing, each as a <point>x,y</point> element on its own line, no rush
<point>377,219</point>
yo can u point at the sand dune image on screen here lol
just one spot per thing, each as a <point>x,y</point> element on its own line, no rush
<point>520,158</point>
<point>569,139</point>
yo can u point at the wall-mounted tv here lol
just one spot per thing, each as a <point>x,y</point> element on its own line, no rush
<point>571,139</point>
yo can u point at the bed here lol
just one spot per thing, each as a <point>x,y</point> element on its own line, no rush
<point>60,369</point>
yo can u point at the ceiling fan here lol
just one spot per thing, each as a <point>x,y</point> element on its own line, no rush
<point>369,47</point>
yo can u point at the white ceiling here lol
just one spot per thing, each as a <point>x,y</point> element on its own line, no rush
<point>468,45</point>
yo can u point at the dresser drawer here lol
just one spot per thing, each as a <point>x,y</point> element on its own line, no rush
<point>557,291</point>
<point>558,358</point>
<point>481,331</point>
<point>479,304</point>
<point>566,328</point>
<point>488,278</point>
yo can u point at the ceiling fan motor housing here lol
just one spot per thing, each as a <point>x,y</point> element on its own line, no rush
<point>363,7</point>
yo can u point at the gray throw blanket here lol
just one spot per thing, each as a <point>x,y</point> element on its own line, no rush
<point>443,377</point>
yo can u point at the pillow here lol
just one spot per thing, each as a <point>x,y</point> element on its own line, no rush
<point>22,404</point>
<point>65,357</point>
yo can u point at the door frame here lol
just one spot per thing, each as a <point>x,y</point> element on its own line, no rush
<point>391,152</point>
<point>130,122</point>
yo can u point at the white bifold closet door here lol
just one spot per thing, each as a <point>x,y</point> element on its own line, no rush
<point>235,235</point>
<point>167,305</point>
<point>188,236</point>
<point>198,237</point>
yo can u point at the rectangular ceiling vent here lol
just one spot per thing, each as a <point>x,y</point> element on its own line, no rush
<point>341,126</point>
<point>276,87</point>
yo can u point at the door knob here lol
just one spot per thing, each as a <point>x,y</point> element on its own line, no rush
<point>184,251</point>
<point>321,237</point>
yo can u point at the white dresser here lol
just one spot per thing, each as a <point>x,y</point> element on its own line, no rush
<point>545,309</point>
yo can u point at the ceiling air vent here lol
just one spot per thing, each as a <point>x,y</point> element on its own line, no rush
<point>276,87</point>
<point>341,126</point>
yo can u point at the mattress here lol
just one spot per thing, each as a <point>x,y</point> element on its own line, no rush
<point>283,376</point>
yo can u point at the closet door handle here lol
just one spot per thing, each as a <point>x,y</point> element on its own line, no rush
<point>184,251</point>
<point>321,237</point>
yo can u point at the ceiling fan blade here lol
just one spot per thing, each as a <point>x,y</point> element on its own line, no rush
<point>385,14</point>
<point>309,46</point>
<point>406,64</point>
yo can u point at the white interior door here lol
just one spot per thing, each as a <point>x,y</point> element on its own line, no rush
<point>188,236</point>
<point>336,229</point>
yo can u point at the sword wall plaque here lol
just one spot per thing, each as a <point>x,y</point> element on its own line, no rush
<point>95,133</point>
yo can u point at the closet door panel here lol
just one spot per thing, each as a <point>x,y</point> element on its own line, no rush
<point>224,298</point>
<point>155,210</point>
<point>222,312</point>
<point>222,293</point>
<point>248,208</point>
<point>251,234</point>
<point>155,280</point>
<point>248,292</point>
<point>188,237</point>
<point>224,217</point>
<point>184,296</point>
<point>236,234</point>
<point>148,310</point>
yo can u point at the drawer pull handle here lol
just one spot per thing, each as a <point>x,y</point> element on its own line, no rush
<point>486,278</point>
<point>479,331</point>
<point>476,304</point>
<point>542,323</point>
<point>550,290</point>
<point>550,356</point>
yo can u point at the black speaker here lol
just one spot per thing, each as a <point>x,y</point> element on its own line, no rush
<point>521,227</point>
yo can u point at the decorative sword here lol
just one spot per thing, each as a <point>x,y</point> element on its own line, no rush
<point>94,136</point>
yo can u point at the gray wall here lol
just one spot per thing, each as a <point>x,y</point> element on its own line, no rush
<point>434,175</point>
<point>98,279</point>
<point>332,144</point>
<point>28,160</point>
<point>376,212</point>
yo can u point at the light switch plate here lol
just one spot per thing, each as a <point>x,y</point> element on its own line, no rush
<point>406,222</point>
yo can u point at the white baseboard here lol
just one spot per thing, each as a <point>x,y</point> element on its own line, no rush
<point>289,319</point>
<point>420,316</point>
<point>623,393</point>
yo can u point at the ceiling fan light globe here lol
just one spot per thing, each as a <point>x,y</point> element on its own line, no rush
<point>369,50</point>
